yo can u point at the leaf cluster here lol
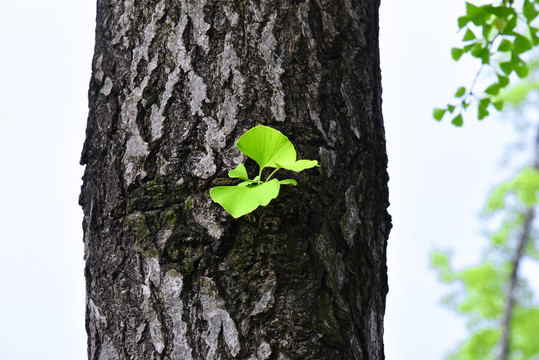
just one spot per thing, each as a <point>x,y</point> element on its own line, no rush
<point>489,30</point>
<point>270,149</point>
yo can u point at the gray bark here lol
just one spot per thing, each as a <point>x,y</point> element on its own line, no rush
<point>169,274</point>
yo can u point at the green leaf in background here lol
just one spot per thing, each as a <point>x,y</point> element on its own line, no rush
<point>469,35</point>
<point>517,93</point>
<point>462,21</point>
<point>484,103</point>
<point>503,80</point>
<point>521,44</point>
<point>533,35</point>
<point>480,346</point>
<point>482,113</point>
<point>440,262</point>
<point>498,105</point>
<point>506,67</point>
<point>438,114</point>
<point>526,185</point>
<point>522,70</point>
<point>505,45</point>
<point>456,53</point>
<point>529,11</point>
<point>493,89</point>
<point>457,121</point>
<point>241,200</point>
<point>460,92</point>
<point>527,323</point>
<point>476,14</point>
<point>496,200</point>
<point>484,288</point>
<point>512,22</point>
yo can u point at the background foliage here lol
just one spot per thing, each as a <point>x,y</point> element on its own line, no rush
<point>502,311</point>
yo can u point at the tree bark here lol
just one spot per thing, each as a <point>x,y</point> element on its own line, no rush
<point>169,274</point>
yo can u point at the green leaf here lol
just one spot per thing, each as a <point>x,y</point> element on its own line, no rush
<point>510,25</point>
<point>493,89</point>
<point>456,53</point>
<point>481,52</point>
<point>525,322</point>
<point>239,172</point>
<point>241,200</point>
<point>507,67</point>
<point>462,21</point>
<point>526,185</point>
<point>288,182</point>
<point>451,108</point>
<point>299,165</point>
<point>497,197</point>
<point>482,111</point>
<point>469,35</point>
<point>476,14</point>
<point>484,102</point>
<point>440,262</point>
<point>266,145</point>
<point>438,114</point>
<point>270,148</point>
<point>460,92</point>
<point>485,289</point>
<point>517,93</point>
<point>457,121</point>
<point>533,35</point>
<point>503,80</point>
<point>480,345</point>
<point>505,45</point>
<point>498,11</point>
<point>489,31</point>
<point>521,44</point>
<point>522,70</point>
<point>529,11</point>
<point>498,105</point>
<point>502,235</point>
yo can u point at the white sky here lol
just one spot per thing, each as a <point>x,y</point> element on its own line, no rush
<point>439,175</point>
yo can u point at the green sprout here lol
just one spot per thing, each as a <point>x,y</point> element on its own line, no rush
<point>269,148</point>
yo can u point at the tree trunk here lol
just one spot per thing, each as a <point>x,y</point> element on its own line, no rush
<point>169,274</point>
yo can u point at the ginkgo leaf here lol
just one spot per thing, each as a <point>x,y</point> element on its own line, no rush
<point>239,172</point>
<point>518,93</point>
<point>267,146</point>
<point>299,165</point>
<point>288,182</point>
<point>241,200</point>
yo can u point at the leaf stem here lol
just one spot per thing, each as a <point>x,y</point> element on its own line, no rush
<point>270,175</point>
<point>260,176</point>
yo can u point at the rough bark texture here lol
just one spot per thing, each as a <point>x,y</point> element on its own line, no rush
<point>170,275</point>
